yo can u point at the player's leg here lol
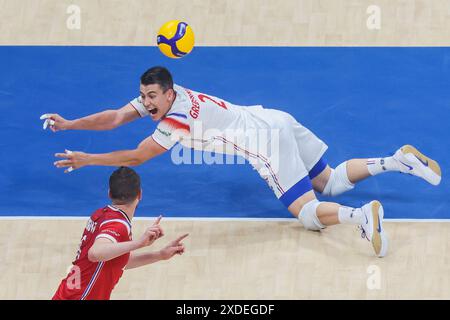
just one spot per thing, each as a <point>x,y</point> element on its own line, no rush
<point>331,182</point>
<point>310,148</point>
<point>292,186</point>
<point>360,169</point>
<point>316,215</point>
<point>407,159</point>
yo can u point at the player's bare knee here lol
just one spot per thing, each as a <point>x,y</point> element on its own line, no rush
<point>308,216</point>
<point>338,181</point>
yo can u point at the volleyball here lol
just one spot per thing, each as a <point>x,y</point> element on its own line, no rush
<point>175,39</point>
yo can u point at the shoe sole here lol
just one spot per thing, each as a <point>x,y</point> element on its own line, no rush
<point>379,239</point>
<point>431,172</point>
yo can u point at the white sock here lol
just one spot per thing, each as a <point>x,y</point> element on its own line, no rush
<point>379,165</point>
<point>350,215</point>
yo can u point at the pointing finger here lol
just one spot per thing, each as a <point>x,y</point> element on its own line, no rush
<point>181,238</point>
<point>157,220</point>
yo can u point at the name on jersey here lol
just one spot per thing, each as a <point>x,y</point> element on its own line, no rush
<point>91,226</point>
<point>195,109</point>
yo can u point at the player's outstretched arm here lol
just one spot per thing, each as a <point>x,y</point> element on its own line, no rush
<point>146,150</point>
<point>141,259</point>
<point>105,120</point>
<point>104,249</point>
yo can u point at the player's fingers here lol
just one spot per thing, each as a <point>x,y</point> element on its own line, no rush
<point>52,116</point>
<point>67,155</point>
<point>69,169</point>
<point>156,229</point>
<point>161,231</point>
<point>181,238</point>
<point>151,234</point>
<point>180,249</point>
<point>158,232</point>
<point>157,221</point>
<point>48,123</point>
<point>61,155</point>
<point>150,238</point>
<point>153,229</point>
<point>63,163</point>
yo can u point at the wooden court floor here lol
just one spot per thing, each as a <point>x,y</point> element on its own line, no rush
<point>241,260</point>
<point>236,259</point>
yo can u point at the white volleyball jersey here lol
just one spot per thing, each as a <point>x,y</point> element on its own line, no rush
<point>202,122</point>
<point>282,150</point>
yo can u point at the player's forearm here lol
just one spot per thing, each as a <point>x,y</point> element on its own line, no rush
<point>105,120</point>
<point>116,158</point>
<point>141,259</point>
<point>109,251</point>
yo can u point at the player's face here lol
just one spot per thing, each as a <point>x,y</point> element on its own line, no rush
<point>156,101</point>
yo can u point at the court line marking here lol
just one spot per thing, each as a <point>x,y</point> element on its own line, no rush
<point>198,219</point>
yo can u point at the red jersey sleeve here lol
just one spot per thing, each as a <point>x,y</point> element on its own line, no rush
<point>115,230</point>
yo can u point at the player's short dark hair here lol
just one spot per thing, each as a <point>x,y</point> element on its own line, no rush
<point>158,75</point>
<point>124,185</point>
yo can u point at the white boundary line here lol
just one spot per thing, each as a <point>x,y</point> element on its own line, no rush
<point>197,219</point>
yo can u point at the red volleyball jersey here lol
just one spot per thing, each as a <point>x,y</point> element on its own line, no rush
<point>96,280</point>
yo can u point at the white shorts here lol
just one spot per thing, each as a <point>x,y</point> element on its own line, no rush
<point>288,169</point>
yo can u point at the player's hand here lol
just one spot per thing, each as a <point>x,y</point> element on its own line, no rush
<point>55,122</point>
<point>158,227</point>
<point>156,224</point>
<point>174,247</point>
<point>73,160</point>
<point>151,234</point>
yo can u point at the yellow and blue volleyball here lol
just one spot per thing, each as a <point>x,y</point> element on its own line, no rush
<point>175,39</point>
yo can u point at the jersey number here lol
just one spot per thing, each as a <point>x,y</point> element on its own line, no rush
<point>80,247</point>
<point>203,97</point>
